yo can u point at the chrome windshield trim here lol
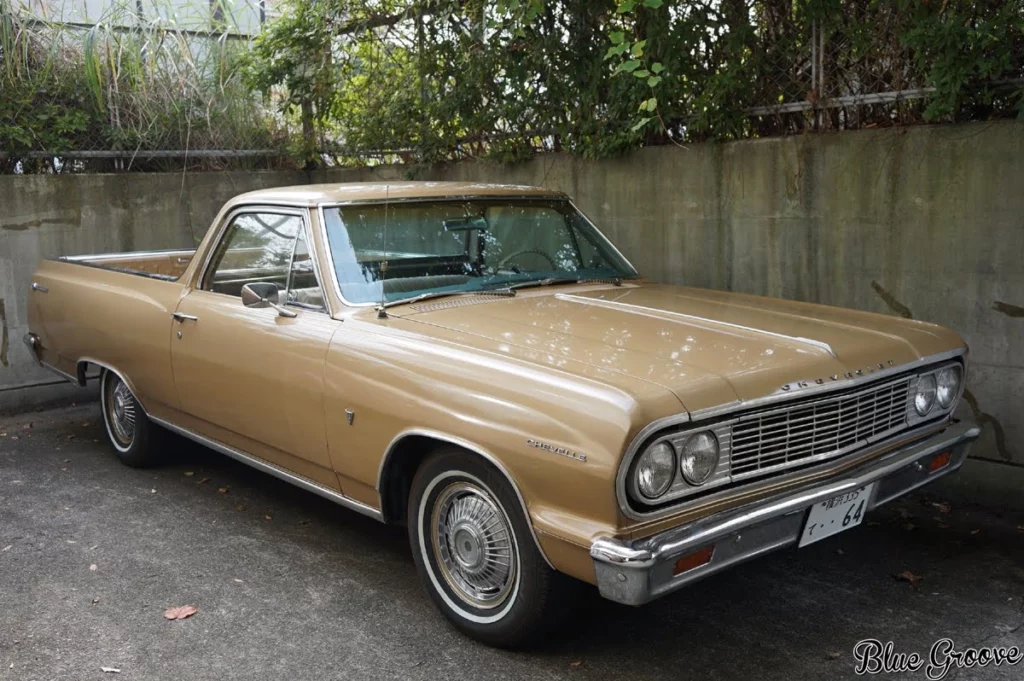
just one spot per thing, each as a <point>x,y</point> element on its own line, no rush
<point>697,418</point>
<point>329,255</point>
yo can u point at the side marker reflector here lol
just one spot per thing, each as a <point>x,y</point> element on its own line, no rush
<point>693,560</point>
<point>939,461</point>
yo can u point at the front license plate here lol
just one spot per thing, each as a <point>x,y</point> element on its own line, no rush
<point>835,515</point>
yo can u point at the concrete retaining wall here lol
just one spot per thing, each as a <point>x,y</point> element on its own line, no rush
<point>925,222</point>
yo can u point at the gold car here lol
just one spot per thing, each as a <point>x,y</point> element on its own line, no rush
<point>480,363</point>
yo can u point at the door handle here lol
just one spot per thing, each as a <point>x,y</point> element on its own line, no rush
<point>181,317</point>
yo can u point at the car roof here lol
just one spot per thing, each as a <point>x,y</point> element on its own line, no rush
<point>315,194</point>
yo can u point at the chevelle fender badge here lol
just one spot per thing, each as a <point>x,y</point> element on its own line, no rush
<point>797,385</point>
<point>562,451</point>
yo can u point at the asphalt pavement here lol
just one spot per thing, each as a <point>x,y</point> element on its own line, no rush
<point>290,586</point>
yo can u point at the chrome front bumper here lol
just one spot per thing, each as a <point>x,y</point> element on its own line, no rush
<point>635,572</point>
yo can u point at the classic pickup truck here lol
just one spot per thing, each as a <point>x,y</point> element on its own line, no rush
<point>479,363</point>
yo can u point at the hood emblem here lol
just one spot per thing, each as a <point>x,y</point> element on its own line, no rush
<point>561,451</point>
<point>856,373</point>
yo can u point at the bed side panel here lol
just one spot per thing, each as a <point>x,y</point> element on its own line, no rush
<point>118,319</point>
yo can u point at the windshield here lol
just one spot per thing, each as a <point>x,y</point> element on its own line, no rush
<point>429,247</point>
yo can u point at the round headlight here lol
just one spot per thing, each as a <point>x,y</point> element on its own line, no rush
<point>655,470</point>
<point>924,398</point>
<point>699,458</point>
<point>948,385</point>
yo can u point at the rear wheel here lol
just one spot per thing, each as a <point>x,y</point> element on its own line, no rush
<point>475,553</point>
<point>128,427</point>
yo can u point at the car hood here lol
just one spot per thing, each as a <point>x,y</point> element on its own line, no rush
<point>708,347</point>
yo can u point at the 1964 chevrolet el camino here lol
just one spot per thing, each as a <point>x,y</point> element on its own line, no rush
<point>480,363</point>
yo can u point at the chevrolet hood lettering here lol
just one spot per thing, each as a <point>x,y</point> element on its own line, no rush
<point>708,347</point>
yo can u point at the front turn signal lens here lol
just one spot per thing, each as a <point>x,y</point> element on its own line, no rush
<point>939,461</point>
<point>693,560</point>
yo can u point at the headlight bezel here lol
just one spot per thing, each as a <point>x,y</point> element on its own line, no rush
<point>937,410</point>
<point>679,485</point>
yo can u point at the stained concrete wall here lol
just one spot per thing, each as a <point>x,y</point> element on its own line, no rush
<point>925,222</point>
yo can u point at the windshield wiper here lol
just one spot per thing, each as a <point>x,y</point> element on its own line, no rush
<point>615,281</point>
<point>506,292</point>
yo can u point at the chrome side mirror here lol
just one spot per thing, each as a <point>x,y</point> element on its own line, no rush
<point>259,294</point>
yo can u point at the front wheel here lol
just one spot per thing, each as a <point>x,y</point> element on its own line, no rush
<point>475,553</point>
<point>128,427</point>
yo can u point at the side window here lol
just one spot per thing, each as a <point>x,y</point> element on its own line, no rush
<point>303,287</point>
<point>257,247</point>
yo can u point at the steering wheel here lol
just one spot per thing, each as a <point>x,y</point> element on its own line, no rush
<point>528,251</point>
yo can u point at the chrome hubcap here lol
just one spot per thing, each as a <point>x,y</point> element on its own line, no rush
<point>474,545</point>
<point>120,411</point>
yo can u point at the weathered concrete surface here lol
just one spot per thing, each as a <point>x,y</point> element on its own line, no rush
<point>290,586</point>
<point>927,222</point>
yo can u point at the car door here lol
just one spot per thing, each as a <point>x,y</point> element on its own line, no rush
<point>252,378</point>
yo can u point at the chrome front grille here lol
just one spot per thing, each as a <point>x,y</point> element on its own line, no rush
<point>819,430</point>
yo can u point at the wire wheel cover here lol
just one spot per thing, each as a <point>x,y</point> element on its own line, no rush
<point>120,406</point>
<point>474,545</point>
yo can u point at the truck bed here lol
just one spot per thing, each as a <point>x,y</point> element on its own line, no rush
<point>166,265</point>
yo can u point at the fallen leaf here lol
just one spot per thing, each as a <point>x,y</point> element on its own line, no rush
<point>95,601</point>
<point>7,548</point>
<point>975,531</point>
<point>27,426</point>
<point>201,481</point>
<point>268,517</point>
<point>832,656</point>
<point>840,552</point>
<point>943,507</point>
<point>908,576</point>
<point>576,664</point>
<point>152,491</point>
<point>110,670</point>
<point>181,612</point>
<point>85,424</point>
<point>93,567</point>
<point>905,514</point>
<point>14,437</point>
<point>239,581</point>
<point>943,526</point>
<point>222,490</point>
<point>189,474</point>
<point>240,507</point>
<point>909,526</point>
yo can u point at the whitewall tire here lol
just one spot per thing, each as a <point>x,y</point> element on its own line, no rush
<point>475,553</point>
<point>128,428</point>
